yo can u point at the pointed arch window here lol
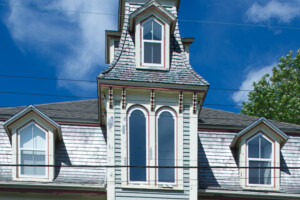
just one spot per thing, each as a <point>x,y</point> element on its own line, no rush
<point>152,43</point>
<point>32,150</point>
<point>137,154</point>
<point>166,154</point>
<point>260,162</point>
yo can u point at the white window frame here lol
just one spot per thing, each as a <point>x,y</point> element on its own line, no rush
<point>162,42</point>
<point>146,114</point>
<point>174,114</point>
<point>260,159</point>
<point>29,149</point>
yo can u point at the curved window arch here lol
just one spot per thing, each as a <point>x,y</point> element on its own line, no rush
<point>32,150</point>
<point>137,143</point>
<point>152,42</point>
<point>166,145</point>
<point>260,157</point>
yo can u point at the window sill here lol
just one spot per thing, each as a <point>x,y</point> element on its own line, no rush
<point>152,187</point>
<point>32,179</point>
<point>154,68</point>
<point>261,188</point>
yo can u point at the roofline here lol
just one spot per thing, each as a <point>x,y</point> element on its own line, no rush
<point>151,85</point>
<point>121,8</point>
<point>30,108</point>
<point>254,124</point>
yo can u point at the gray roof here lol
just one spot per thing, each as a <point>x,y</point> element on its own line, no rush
<point>87,111</point>
<point>123,67</point>
<point>71,111</point>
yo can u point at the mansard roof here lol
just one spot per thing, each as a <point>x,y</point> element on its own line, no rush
<point>123,68</point>
<point>86,111</point>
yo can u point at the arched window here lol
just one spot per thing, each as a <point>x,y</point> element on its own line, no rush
<point>137,146</point>
<point>152,42</point>
<point>32,150</point>
<point>259,159</point>
<point>166,122</point>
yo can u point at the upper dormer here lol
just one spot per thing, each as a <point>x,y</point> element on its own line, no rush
<point>148,47</point>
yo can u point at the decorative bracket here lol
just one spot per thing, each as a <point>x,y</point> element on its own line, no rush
<point>152,100</point>
<point>194,102</point>
<point>180,101</point>
<point>111,92</point>
<point>123,98</point>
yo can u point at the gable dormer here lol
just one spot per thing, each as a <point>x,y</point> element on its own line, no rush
<point>152,25</point>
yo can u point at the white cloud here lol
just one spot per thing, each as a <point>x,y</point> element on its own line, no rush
<point>282,11</point>
<point>74,42</point>
<point>252,76</point>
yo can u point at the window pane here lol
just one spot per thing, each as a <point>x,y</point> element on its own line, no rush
<point>156,53</point>
<point>166,151</point>
<point>147,30</point>
<point>39,138</point>
<point>253,148</point>
<point>33,158</point>
<point>259,175</point>
<point>156,31</point>
<point>266,148</point>
<point>39,159</point>
<point>26,137</point>
<point>148,49</point>
<point>137,145</point>
<point>265,173</point>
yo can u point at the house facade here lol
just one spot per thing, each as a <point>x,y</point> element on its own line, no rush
<point>147,136</point>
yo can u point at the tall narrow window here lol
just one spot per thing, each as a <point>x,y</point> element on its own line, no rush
<point>152,42</point>
<point>137,145</point>
<point>259,160</point>
<point>166,146</point>
<point>32,150</point>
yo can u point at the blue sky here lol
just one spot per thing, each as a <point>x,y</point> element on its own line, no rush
<point>44,38</point>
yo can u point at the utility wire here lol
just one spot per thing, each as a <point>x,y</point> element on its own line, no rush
<point>90,81</point>
<point>144,166</point>
<point>181,20</point>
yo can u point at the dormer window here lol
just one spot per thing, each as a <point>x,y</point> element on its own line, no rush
<point>153,26</point>
<point>260,151</point>
<point>258,147</point>
<point>152,43</point>
<point>32,150</point>
<point>33,137</point>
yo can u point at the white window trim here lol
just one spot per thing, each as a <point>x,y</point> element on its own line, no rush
<point>260,159</point>
<point>46,152</point>
<point>175,146</point>
<point>161,42</point>
<point>137,107</point>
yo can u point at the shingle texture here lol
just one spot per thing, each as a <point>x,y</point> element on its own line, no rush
<point>124,65</point>
<point>214,150</point>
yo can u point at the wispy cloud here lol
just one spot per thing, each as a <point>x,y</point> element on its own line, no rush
<point>284,11</point>
<point>74,41</point>
<point>252,76</point>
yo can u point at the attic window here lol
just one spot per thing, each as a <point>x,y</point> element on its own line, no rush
<point>260,160</point>
<point>152,43</point>
<point>32,150</point>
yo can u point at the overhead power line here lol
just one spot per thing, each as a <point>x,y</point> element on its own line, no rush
<point>91,81</point>
<point>147,166</point>
<point>181,20</point>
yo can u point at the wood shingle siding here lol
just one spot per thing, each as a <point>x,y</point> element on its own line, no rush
<point>214,150</point>
<point>80,146</point>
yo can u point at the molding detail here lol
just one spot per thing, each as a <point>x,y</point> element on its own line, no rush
<point>111,92</point>
<point>152,100</point>
<point>123,98</point>
<point>194,102</point>
<point>180,101</point>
